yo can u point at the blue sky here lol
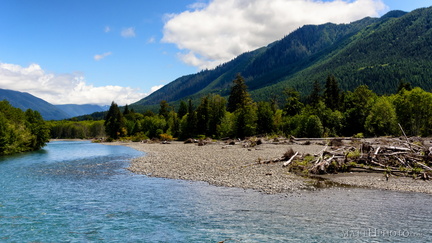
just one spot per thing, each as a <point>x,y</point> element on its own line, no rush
<point>97,51</point>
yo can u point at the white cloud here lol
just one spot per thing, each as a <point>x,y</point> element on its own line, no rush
<point>63,88</point>
<point>211,34</point>
<point>128,32</point>
<point>154,88</point>
<point>99,57</point>
<point>107,29</point>
<point>197,5</point>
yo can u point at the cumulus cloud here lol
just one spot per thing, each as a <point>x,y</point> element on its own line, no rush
<point>128,32</point>
<point>154,88</point>
<point>63,88</point>
<point>213,33</point>
<point>99,57</point>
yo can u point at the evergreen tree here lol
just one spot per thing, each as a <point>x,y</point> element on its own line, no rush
<point>404,85</point>
<point>265,122</point>
<point>183,109</point>
<point>174,124</point>
<point>332,93</point>
<point>114,122</point>
<point>164,109</point>
<point>293,106</point>
<point>315,95</point>
<point>239,96</point>
<point>126,110</point>
<point>245,121</point>
<point>191,122</point>
<point>217,106</point>
<point>203,116</point>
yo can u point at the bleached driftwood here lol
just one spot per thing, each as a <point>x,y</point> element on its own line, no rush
<point>290,160</point>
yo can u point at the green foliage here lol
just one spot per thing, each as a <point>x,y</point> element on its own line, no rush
<point>413,110</point>
<point>313,127</point>
<point>354,154</point>
<point>21,131</point>
<point>226,127</point>
<point>383,53</point>
<point>239,96</point>
<point>357,106</point>
<point>164,109</point>
<point>332,93</point>
<point>245,121</point>
<point>38,128</point>
<point>114,122</point>
<point>76,129</point>
<point>265,118</point>
<point>183,109</point>
<point>293,106</point>
<point>381,120</point>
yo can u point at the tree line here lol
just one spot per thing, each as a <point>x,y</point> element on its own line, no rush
<point>326,111</point>
<point>21,131</point>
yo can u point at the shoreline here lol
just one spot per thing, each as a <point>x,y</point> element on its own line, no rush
<point>235,166</point>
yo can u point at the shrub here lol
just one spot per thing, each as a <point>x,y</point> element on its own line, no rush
<point>166,137</point>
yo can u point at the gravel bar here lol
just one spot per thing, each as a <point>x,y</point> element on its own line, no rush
<point>235,166</point>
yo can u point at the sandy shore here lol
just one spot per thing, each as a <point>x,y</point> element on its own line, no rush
<point>235,166</point>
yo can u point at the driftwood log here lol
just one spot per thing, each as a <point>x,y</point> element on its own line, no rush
<point>388,155</point>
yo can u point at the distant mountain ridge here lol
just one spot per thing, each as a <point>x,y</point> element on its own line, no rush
<point>48,111</point>
<point>79,110</point>
<point>378,52</point>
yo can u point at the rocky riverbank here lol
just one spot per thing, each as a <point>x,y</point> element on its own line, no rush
<point>237,166</point>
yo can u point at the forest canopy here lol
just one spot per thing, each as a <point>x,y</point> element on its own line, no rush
<point>21,131</point>
<point>326,112</point>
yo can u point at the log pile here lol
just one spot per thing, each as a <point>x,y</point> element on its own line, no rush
<point>398,156</point>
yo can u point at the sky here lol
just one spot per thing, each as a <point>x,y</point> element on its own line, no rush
<point>99,51</point>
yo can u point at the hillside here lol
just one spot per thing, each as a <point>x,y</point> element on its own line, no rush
<point>48,111</point>
<point>378,52</point>
<point>79,110</point>
<point>26,101</point>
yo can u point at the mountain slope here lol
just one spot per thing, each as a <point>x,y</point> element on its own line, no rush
<point>379,56</point>
<point>378,52</point>
<point>48,111</point>
<point>263,66</point>
<point>79,110</point>
<point>26,101</point>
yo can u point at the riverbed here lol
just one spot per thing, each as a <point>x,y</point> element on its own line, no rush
<point>78,191</point>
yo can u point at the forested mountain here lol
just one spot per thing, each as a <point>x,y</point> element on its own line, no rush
<point>26,101</point>
<point>48,111</point>
<point>79,110</point>
<point>378,52</point>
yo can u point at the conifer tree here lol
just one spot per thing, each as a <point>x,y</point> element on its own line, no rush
<point>315,96</point>
<point>126,110</point>
<point>191,122</point>
<point>183,109</point>
<point>203,116</point>
<point>114,122</point>
<point>332,93</point>
<point>164,109</point>
<point>239,97</point>
<point>293,105</point>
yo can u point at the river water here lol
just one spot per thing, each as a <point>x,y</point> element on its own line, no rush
<point>81,192</point>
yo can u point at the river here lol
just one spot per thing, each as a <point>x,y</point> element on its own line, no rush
<point>77,191</point>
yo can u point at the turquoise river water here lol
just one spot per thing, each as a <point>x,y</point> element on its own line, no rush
<point>77,191</point>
